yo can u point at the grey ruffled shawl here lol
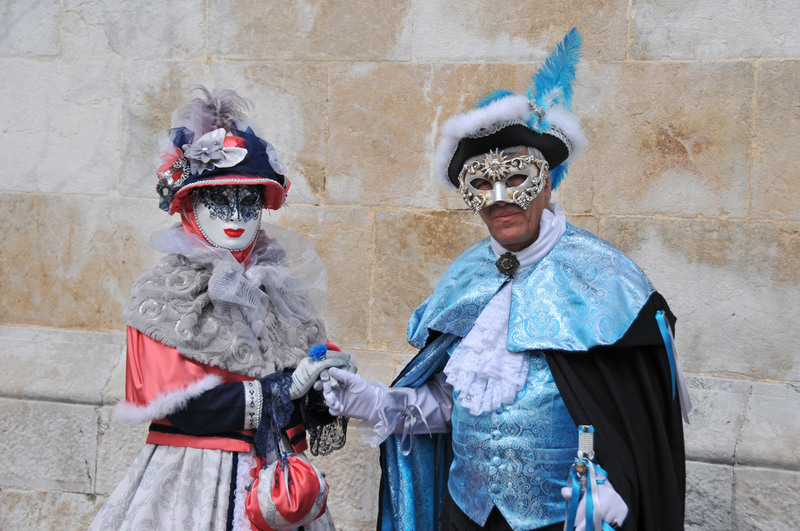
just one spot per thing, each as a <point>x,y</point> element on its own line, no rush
<point>253,321</point>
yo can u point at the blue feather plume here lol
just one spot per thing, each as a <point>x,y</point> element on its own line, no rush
<point>552,84</point>
<point>557,174</point>
<point>494,96</point>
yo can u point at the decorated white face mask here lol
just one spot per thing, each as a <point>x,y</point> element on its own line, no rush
<point>228,216</point>
<point>495,179</point>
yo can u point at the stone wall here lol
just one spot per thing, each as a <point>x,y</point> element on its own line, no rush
<point>691,110</point>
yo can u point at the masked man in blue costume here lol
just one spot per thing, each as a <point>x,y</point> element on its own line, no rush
<point>538,332</point>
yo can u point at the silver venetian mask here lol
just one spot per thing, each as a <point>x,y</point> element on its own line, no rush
<point>496,179</point>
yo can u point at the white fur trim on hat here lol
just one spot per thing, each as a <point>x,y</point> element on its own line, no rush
<point>571,132</point>
<point>477,123</point>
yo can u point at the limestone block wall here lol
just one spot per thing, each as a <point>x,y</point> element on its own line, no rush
<point>692,113</point>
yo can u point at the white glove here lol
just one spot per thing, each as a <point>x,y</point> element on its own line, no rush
<point>309,370</point>
<point>325,376</point>
<point>608,503</point>
<point>354,397</point>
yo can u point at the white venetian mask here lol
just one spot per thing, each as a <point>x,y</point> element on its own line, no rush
<point>228,216</point>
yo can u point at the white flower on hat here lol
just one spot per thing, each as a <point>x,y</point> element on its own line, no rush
<point>209,152</point>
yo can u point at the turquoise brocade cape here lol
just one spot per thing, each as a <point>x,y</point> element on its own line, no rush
<point>585,294</point>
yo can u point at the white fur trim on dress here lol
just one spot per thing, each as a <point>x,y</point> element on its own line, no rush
<point>247,462</point>
<point>166,403</point>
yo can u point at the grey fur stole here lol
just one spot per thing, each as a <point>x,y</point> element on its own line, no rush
<point>171,304</point>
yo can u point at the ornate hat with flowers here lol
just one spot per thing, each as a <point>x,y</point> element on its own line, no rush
<point>541,119</point>
<point>210,144</point>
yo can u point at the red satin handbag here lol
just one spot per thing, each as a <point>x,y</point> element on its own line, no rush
<point>286,494</point>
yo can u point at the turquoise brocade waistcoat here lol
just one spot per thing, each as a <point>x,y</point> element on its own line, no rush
<point>516,457</point>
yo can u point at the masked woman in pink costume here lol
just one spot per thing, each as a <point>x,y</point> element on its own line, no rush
<point>216,333</point>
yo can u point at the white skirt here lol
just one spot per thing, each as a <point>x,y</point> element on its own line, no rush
<point>177,488</point>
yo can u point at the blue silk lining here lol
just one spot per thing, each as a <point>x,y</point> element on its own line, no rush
<point>663,326</point>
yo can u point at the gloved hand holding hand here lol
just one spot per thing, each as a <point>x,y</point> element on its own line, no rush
<point>612,508</point>
<point>325,376</point>
<point>309,371</point>
<point>354,397</point>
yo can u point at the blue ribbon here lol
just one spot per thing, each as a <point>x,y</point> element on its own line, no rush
<point>663,326</point>
<point>592,470</point>
<point>589,503</point>
<point>572,506</point>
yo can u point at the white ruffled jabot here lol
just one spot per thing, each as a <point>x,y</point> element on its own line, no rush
<point>481,370</point>
<point>485,374</point>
